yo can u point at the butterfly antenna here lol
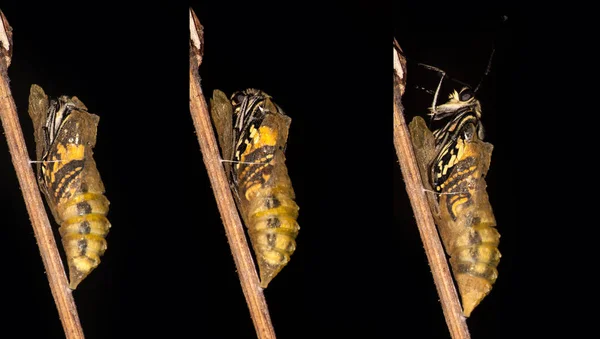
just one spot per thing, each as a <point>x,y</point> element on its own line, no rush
<point>487,70</point>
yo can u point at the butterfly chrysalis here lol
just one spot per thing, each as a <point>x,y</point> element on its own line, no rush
<point>453,161</point>
<point>65,134</point>
<point>253,132</point>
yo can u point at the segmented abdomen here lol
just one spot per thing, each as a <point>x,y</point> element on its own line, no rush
<point>267,200</point>
<point>468,223</point>
<point>65,134</point>
<point>83,229</point>
<point>461,207</point>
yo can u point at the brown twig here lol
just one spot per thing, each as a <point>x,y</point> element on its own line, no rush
<point>231,220</point>
<point>33,200</point>
<point>414,187</point>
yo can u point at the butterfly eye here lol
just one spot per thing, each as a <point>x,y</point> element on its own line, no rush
<point>238,97</point>
<point>466,94</point>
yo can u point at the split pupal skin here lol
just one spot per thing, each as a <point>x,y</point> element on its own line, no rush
<point>65,134</point>
<point>454,161</point>
<point>259,176</point>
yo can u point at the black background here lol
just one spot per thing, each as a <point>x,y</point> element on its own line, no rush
<point>536,116</point>
<point>461,43</point>
<point>359,268</point>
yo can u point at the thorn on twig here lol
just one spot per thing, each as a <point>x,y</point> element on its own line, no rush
<point>196,38</point>
<point>5,40</point>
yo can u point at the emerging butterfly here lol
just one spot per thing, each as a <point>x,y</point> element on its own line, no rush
<point>254,146</point>
<point>453,161</point>
<point>65,134</point>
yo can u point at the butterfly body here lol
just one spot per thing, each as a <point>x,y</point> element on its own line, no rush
<point>258,174</point>
<point>67,175</point>
<point>454,161</point>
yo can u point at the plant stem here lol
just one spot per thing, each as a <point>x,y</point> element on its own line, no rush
<point>35,207</point>
<point>414,187</point>
<point>216,173</point>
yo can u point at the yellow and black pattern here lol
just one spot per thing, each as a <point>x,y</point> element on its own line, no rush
<point>454,161</point>
<point>253,133</point>
<point>65,134</point>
